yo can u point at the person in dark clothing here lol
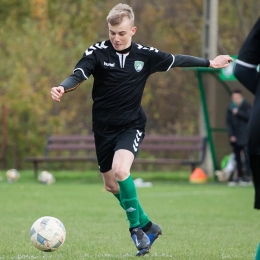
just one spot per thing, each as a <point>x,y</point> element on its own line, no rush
<point>238,114</point>
<point>120,69</point>
<point>246,72</point>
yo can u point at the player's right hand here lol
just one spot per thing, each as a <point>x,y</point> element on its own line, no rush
<point>56,93</point>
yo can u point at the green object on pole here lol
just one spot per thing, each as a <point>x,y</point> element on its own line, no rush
<point>227,74</point>
<point>207,121</point>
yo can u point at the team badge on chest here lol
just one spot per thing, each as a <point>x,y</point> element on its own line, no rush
<point>139,65</point>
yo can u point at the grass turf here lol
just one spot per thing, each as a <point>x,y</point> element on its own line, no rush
<point>210,221</point>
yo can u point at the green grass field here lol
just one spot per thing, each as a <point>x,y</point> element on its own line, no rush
<point>210,221</point>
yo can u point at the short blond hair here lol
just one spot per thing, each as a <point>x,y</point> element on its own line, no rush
<point>118,12</point>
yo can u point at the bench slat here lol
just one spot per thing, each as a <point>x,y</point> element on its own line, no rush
<point>157,160</point>
<point>59,159</point>
<point>169,138</point>
<point>71,146</point>
<point>70,138</point>
<point>165,147</point>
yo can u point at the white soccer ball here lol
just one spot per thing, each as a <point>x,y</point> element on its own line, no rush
<point>46,178</point>
<point>48,234</point>
<point>12,175</point>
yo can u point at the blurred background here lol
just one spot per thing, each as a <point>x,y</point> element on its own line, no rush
<point>42,40</point>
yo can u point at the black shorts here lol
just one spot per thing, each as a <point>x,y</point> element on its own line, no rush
<point>107,146</point>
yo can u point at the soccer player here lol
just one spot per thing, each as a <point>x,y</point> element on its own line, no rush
<point>120,69</point>
<point>247,74</point>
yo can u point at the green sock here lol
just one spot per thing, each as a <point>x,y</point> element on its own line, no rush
<point>257,256</point>
<point>118,197</point>
<point>143,218</point>
<point>129,201</point>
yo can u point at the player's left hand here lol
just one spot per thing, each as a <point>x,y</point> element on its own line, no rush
<point>221,61</point>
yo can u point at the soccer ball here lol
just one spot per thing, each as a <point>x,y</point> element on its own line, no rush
<point>48,234</point>
<point>12,175</point>
<point>46,178</point>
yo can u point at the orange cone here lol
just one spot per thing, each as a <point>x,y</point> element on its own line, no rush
<point>198,176</point>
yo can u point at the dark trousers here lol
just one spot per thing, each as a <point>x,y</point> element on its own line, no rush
<point>237,149</point>
<point>255,168</point>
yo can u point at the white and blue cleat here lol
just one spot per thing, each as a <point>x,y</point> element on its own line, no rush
<point>141,241</point>
<point>144,240</point>
<point>153,233</point>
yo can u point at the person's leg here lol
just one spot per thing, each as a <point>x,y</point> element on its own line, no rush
<point>105,154</point>
<point>255,168</point>
<point>112,186</point>
<point>119,182</point>
<point>105,150</point>
<point>152,230</point>
<point>237,151</point>
<point>143,218</point>
<point>126,142</point>
<point>130,141</point>
<point>122,162</point>
<point>247,165</point>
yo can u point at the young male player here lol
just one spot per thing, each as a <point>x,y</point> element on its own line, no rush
<point>246,73</point>
<point>120,69</point>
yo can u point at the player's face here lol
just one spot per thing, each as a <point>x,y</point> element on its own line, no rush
<point>121,35</point>
<point>237,98</point>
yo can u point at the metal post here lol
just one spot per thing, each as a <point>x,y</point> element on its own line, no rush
<point>210,29</point>
<point>209,51</point>
<point>207,121</point>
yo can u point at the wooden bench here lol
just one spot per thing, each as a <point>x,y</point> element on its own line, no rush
<point>67,148</point>
<point>172,149</point>
<point>155,149</point>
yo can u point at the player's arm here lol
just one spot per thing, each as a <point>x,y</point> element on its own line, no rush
<point>249,54</point>
<point>220,61</point>
<point>83,69</point>
<point>248,59</point>
<point>69,84</point>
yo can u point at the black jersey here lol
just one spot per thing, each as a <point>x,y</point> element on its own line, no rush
<point>247,74</point>
<point>119,81</point>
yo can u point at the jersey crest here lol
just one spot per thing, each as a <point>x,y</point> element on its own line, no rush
<point>139,65</point>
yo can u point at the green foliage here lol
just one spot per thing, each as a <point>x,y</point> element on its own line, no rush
<point>34,62</point>
<point>15,10</point>
<point>200,222</point>
<point>40,52</point>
